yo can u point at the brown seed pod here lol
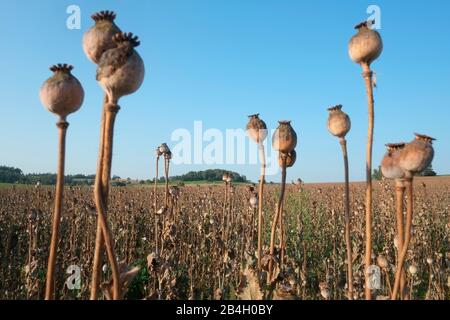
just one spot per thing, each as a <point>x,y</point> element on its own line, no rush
<point>284,139</point>
<point>121,69</point>
<point>418,154</point>
<point>366,45</point>
<point>163,148</point>
<point>62,93</point>
<point>382,262</point>
<point>390,167</point>
<point>98,39</point>
<point>290,158</point>
<point>338,122</point>
<point>256,129</point>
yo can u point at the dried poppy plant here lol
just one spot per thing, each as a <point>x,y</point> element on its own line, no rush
<point>415,157</point>
<point>364,48</point>
<point>284,141</point>
<point>62,94</point>
<point>339,125</point>
<point>257,131</point>
<point>120,72</point>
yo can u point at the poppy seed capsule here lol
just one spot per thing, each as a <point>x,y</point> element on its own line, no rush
<point>418,154</point>
<point>98,39</point>
<point>256,129</point>
<point>290,158</point>
<point>254,201</point>
<point>163,148</point>
<point>338,122</point>
<point>284,139</point>
<point>121,70</point>
<point>365,46</point>
<point>390,167</point>
<point>382,262</point>
<point>62,93</point>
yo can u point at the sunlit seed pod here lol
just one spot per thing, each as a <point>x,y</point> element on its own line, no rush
<point>325,293</point>
<point>412,269</point>
<point>366,46</point>
<point>284,138</point>
<point>382,262</point>
<point>338,123</point>
<point>158,153</point>
<point>430,261</point>
<point>256,129</point>
<point>418,154</point>
<point>62,93</point>
<point>98,39</point>
<point>254,202</point>
<point>105,268</point>
<point>390,165</point>
<point>121,70</point>
<point>396,242</point>
<point>225,177</point>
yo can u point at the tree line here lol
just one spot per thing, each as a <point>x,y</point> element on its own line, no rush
<point>16,175</point>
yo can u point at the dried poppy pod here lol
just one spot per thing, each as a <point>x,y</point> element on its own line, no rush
<point>366,46</point>
<point>158,153</point>
<point>121,70</point>
<point>390,167</point>
<point>98,39</point>
<point>290,158</point>
<point>225,176</point>
<point>284,139</point>
<point>174,191</point>
<point>62,93</point>
<point>418,154</point>
<point>254,201</point>
<point>256,129</point>
<point>229,178</point>
<point>382,262</point>
<point>163,148</point>
<point>338,122</point>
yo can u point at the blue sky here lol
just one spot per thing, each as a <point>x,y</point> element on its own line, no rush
<point>220,60</point>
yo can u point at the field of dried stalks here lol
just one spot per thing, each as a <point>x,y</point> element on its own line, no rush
<point>206,246</point>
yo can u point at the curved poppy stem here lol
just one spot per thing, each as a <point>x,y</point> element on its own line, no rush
<point>408,230</point>
<point>102,187</point>
<point>277,217</point>
<point>59,193</point>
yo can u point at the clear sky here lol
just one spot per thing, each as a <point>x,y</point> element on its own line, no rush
<point>218,61</point>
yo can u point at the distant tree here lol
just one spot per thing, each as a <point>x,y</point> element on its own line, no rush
<point>428,172</point>
<point>377,175</point>
<point>10,174</point>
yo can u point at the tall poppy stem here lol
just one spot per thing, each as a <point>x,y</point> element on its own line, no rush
<point>155,203</point>
<point>277,217</point>
<point>100,194</point>
<point>367,75</point>
<point>400,194</point>
<point>59,193</point>
<point>348,241</point>
<point>408,232</point>
<point>262,158</point>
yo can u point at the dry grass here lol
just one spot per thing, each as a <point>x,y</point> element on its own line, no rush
<point>199,259</point>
